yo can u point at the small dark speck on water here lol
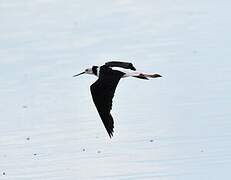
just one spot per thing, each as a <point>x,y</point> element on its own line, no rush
<point>84,149</point>
<point>151,140</point>
<point>27,138</point>
<point>98,152</point>
<point>202,150</point>
<point>35,154</point>
<point>25,107</point>
<point>3,173</point>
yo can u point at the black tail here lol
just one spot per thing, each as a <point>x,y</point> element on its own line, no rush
<point>141,76</point>
<point>155,76</point>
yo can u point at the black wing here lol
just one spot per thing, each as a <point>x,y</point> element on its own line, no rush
<point>103,92</point>
<point>125,65</point>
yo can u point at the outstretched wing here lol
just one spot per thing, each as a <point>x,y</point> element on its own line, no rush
<point>126,65</point>
<point>103,92</point>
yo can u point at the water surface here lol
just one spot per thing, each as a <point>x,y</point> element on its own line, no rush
<point>172,128</point>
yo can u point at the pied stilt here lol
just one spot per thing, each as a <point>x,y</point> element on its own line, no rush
<point>103,89</point>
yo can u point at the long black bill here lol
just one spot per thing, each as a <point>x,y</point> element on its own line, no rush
<point>78,74</point>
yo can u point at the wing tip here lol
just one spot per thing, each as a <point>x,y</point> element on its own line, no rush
<point>110,133</point>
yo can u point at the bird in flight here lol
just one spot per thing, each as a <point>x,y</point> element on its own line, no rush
<point>103,89</point>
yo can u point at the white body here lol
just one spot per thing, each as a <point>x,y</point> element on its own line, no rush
<point>130,73</point>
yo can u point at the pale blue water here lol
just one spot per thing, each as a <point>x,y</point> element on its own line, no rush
<point>186,114</point>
